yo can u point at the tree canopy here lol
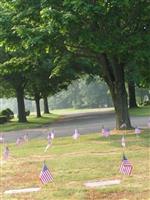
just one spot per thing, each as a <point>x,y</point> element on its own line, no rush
<point>97,37</point>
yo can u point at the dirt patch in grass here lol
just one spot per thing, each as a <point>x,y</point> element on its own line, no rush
<point>121,132</point>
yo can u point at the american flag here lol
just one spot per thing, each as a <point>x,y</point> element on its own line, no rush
<point>126,167</point>
<point>105,132</point>
<point>49,136</point>
<point>52,134</point>
<point>1,139</point>
<point>137,130</point>
<point>123,141</point>
<point>19,141</point>
<point>6,153</point>
<point>26,138</point>
<point>76,134</point>
<point>45,175</point>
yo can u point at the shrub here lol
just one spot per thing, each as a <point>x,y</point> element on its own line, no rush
<point>8,113</point>
<point>3,119</point>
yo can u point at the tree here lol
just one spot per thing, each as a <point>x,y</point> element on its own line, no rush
<point>13,73</point>
<point>131,93</point>
<point>108,33</point>
<point>11,68</point>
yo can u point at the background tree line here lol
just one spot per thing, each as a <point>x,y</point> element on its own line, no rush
<point>45,45</point>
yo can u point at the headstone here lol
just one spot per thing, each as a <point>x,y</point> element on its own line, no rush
<point>22,190</point>
<point>102,183</point>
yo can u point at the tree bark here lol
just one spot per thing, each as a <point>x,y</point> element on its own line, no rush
<point>131,92</point>
<point>37,102</point>
<point>119,97</point>
<point>46,108</point>
<point>113,74</point>
<point>21,105</point>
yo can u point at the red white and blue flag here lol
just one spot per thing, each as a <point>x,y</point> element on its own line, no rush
<point>105,132</point>
<point>26,138</point>
<point>76,134</point>
<point>1,139</point>
<point>52,134</point>
<point>45,175</point>
<point>19,141</point>
<point>126,167</point>
<point>137,131</point>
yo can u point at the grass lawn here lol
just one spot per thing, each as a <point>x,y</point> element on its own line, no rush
<point>72,163</point>
<point>141,111</point>
<point>33,122</point>
<point>84,110</point>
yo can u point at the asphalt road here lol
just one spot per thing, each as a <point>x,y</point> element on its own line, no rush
<point>85,122</point>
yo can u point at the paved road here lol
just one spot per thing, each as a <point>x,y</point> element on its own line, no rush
<point>85,122</point>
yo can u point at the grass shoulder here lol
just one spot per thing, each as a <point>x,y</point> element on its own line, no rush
<point>140,111</point>
<point>33,122</point>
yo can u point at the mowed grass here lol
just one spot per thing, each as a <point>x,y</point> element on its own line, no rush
<point>33,122</point>
<point>141,111</point>
<point>73,162</point>
<point>82,110</point>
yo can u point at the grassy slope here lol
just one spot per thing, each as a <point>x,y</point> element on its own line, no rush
<point>33,122</point>
<point>72,163</point>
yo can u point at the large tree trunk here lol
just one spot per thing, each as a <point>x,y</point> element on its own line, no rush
<point>131,92</point>
<point>37,102</point>
<point>119,97</point>
<point>46,108</point>
<point>113,74</point>
<point>21,105</point>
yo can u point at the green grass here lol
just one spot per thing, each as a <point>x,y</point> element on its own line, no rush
<point>141,111</point>
<point>33,122</point>
<point>84,110</point>
<point>72,163</point>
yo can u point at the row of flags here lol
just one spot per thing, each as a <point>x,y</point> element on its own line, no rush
<point>104,131</point>
<point>45,174</point>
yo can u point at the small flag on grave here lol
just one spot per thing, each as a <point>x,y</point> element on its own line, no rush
<point>26,138</point>
<point>52,134</point>
<point>19,141</point>
<point>126,167</point>
<point>137,131</point>
<point>49,136</point>
<point>6,153</point>
<point>45,175</point>
<point>1,139</point>
<point>105,132</point>
<point>123,141</point>
<point>76,134</point>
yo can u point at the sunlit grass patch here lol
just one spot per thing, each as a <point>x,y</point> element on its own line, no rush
<point>73,162</point>
<point>33,122</point>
